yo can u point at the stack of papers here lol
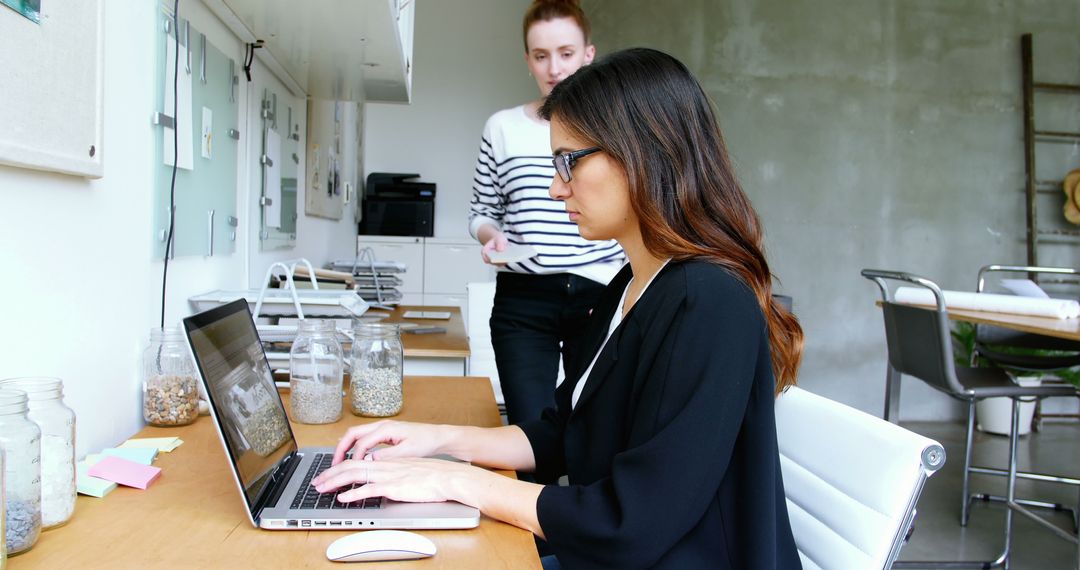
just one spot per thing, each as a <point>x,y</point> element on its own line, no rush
<point>1053,308</point>
<point>127,464</point>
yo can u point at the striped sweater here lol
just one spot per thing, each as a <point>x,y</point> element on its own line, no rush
<point>510,191</point>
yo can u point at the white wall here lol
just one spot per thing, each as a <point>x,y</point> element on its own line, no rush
<point>468,61</point>
<point>81,289</point>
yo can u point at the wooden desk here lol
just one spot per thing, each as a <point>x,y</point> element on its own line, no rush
<point>436,354</point>
<point>1068,329</point>
<point>193,517</point>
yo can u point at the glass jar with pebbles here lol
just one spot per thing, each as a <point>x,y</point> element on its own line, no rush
<point>376,369</point>
<point>315,373</point>
<point>21,439</point>
<point>170,387</point>
<point>45,403</point>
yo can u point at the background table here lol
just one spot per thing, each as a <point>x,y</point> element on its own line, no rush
<point>193,517</point>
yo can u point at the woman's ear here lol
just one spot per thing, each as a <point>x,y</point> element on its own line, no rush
<point>590,53</point>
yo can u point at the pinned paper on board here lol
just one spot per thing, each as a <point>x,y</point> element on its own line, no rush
<point>183,122</point>
<point>207,133</point>
<point>272,177</point>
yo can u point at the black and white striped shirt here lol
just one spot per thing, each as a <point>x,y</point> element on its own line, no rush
<point>510,191</point>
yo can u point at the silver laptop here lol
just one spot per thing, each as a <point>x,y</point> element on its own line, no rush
<point>272,473</point>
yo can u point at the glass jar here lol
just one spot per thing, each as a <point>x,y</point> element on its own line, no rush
<point>21,439</point>
<point>316,370</point>
<point>376,369</point>
<point>3,532</point>
<point>57,423</point>
<point>170,386</point>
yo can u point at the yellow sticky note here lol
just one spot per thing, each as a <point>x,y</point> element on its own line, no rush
<point>165,444</point>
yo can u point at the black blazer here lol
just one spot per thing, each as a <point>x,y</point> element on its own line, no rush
<point>671,451</point>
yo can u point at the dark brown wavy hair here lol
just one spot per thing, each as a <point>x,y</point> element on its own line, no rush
<point>545,10</point>
<point>646,111</point>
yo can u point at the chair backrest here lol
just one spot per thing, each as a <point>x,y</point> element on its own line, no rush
<point>989,334</point>
<point>918,338</point>
<point>852,481</point>
<point>482,355</point>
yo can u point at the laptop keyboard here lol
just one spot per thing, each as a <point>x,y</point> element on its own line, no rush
<point>308,498</point>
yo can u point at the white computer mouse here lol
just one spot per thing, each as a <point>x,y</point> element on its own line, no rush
<point>372,545</point>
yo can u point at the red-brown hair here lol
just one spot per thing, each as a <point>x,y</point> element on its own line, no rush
<point>646,111</point>
<point>546,10</point>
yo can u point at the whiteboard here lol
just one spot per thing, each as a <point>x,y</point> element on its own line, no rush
<point>51,78</point>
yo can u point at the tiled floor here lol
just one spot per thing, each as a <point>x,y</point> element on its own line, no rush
<point>1055,449</point>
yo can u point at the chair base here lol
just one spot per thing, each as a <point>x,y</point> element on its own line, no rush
<point>1074,515</point>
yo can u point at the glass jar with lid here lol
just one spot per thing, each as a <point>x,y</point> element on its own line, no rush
<point>316,370</point>
<point>170,386</point>
<point>46,408</point>
<point>376,372</point>
<point>21,439</point>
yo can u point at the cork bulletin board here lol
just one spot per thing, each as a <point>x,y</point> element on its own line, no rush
<point>52,82</point>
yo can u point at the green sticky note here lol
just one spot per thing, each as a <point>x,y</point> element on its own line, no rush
<point>165,444</point>
<point>144,455</point>
<point>93,486</point>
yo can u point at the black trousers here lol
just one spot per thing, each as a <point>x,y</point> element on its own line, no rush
<point>531,317</point>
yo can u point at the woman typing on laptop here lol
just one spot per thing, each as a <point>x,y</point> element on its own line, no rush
<point>665,429</point>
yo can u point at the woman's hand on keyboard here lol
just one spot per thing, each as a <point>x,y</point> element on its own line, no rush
<point>402,439</point>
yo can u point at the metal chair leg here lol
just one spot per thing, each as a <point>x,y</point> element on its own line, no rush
<point>965,511</point>
<point>892,395</point>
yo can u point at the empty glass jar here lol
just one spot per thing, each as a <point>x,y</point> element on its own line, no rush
<point>170,387</point>
<point>316,370</point>
<point>376,374</point>
<point>21,439</point>
<point>46,408</point>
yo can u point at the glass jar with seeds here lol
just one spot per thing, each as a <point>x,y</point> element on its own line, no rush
<point>170,387</point>
<point>376,374</point>
<point>21,439</point>
<point>46,408</point>
<point>316,371</point>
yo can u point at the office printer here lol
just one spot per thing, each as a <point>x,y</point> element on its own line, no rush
<point>395,204</point>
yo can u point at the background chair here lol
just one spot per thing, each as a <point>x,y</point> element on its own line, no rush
<point>989,339</point>
<point>920,345</point>
<point>851,482</point>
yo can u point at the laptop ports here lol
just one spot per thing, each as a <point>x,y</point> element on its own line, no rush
<point>320,523</point>
<point>335,523</point>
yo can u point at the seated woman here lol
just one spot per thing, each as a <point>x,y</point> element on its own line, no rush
<point>666,431</point>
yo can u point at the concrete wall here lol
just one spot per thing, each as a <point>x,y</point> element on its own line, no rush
<point>879,134</point>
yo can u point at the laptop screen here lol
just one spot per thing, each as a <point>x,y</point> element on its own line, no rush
<point>242,393</point>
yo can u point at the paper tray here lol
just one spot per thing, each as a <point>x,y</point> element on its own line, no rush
<point>279,302</point>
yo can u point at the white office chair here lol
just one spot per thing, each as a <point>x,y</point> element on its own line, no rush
<point>851,479</point>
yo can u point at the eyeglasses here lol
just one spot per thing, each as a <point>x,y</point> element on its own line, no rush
<point>564,161</point>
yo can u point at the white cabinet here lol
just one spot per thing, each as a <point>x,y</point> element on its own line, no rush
<point>438,268</point>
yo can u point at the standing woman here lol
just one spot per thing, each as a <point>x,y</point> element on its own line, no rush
<point>665,428</point>
<point>541,303</point>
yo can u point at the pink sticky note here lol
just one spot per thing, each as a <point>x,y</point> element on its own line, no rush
<point>124,472</point>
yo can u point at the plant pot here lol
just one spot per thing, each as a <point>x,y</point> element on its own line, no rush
<point>994,415</point>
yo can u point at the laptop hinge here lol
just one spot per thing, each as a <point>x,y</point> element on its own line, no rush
<point>273,489</point>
